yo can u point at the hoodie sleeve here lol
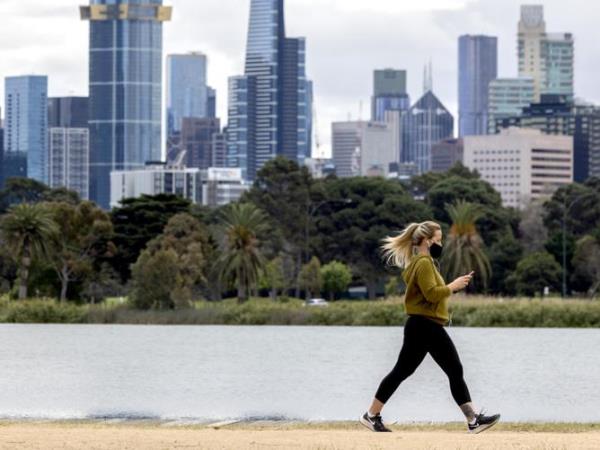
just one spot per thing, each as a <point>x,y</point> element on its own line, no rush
<point>427,283</point>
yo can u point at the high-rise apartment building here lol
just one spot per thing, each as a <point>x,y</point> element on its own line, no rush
<point>69,145</point>
<point>269,106</point>
<point>548,58</point>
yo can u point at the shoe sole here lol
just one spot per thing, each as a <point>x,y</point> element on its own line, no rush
<point>482,428</point>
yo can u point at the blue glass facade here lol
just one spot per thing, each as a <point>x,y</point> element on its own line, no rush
<point>187,91</point>
<point>269,105</point>
<point>426,123</point>
<point>26,128</point>
<point>384,103</point>
<point>125,87</point>
<point>477,67</point>
<point>242,120</point>
<point>309,118</point>
<point>68,112</point>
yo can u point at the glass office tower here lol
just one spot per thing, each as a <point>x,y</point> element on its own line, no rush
<point>125,81</point>
<point>26,128</point>
<point>426,123</point>
<point>477,67</point>
<point>187,91</point>
<point>389,93</point>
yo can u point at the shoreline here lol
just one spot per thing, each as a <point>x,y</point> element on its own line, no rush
<point>155,435</point>
<point>290,425</point>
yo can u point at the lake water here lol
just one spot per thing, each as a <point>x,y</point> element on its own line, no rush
<point>295,373</point>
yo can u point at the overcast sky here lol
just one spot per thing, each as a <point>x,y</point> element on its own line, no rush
<point>346,41</point>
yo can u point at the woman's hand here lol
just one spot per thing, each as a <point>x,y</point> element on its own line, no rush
<point>461,282</point>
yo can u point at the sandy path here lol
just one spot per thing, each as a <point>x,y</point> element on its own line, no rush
<point>99,436</point>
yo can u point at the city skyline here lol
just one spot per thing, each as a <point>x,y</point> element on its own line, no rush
<point>331,48</point>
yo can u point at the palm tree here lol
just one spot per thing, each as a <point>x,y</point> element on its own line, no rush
<point>27,230</point>
<point>241,260</point>
<point>463,251</point>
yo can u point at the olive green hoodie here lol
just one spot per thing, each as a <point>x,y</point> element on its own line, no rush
<point>426,292</point>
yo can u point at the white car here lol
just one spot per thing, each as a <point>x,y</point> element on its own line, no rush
<point>316,302</point>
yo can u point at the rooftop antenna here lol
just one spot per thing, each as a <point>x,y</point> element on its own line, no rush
<point>428,77</point>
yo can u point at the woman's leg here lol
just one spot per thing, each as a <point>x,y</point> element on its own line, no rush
<point>411,356</point>
<point>444,353</point>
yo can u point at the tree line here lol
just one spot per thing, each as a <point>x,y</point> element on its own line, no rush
<point>292,235</point>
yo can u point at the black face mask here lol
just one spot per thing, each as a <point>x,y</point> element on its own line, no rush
<point>435,250</point>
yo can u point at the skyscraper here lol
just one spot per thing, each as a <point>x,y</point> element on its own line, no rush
<point>26,128</point>
<point>545,57</point>
<point>125,82</point>
<point>477,66</point>
<point>531,32</point>
<point>389,93</point>
<point>426,123</point>
<point>188,94</point>
<point>269,104</point>
<point>69,145</point>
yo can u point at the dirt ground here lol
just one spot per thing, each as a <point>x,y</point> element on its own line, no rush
<point>162,436</point>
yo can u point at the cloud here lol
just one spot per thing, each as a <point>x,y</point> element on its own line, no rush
<point>398,7</point>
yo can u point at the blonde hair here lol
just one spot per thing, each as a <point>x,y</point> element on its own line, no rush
<point>398,250</point>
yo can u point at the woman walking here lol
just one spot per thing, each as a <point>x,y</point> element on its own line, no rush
<point>426,304</point>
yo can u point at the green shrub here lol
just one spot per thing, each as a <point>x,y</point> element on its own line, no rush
<point>42,311</point>
<point>466,312</point>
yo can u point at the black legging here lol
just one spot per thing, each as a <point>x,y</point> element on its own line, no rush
<point>422,336</point>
